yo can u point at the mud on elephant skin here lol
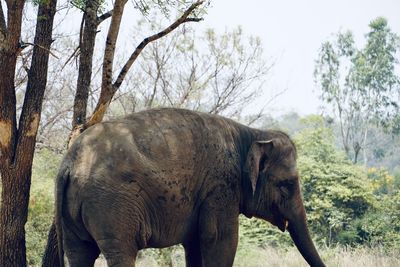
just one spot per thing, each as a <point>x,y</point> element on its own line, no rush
<point>170,176</point>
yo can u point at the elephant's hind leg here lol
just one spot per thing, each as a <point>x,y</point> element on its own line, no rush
<point>81,253</point>
<point>118,253</point>
<point>193,253</point>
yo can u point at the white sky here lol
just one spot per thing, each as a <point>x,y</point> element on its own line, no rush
<point>292,31</point>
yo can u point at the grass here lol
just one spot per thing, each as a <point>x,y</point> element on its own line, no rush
<point>274,257</point>
<point>333,257</point>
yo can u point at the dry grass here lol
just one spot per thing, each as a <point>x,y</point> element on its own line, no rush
<point>361,257</point>
<point>273,257</point>
<point>334,257</point>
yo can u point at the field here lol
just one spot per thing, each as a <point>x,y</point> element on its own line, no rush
<point>273,257</point>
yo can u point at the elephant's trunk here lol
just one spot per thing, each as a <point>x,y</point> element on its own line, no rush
<point>299,232</point>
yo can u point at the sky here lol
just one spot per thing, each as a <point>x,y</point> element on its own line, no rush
<point>292,31</point>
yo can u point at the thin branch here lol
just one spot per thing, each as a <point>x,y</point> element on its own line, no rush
<point>105,16</point>
<point>184,18</point>
<point>77,6</point>
<point>44,48</point>
<point>260,113</point>
<point>193,19</point>
<point>74,54</point>
<point>3,26</point>
<point>81,27</point>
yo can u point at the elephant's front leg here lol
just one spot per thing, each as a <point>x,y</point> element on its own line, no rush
<point>218,231</point>
<point>193,252</point>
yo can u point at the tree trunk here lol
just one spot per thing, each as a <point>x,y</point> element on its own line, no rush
<point>17,146</point>
<point>12,236</point>
<point>365,147</point>
<point>14,213</point>
<point>357,149</point>
<point>86,45</point>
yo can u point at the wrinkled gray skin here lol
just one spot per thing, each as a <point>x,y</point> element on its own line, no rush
<point>168,176</point>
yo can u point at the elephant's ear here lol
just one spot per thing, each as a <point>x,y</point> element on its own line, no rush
<point>256,158</point>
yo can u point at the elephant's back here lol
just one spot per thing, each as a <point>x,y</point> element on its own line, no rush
<point>179,130</point>
<point>161,140</point>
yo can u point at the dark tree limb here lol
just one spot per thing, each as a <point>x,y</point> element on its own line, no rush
<point>8,58</point>
<point>105,16</point>
<point>87,40</point>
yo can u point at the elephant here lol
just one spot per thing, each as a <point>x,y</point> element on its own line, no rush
<point>170,176</point>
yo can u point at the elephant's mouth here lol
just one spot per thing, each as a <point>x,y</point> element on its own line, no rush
<point>278,220</point>
<point>283,224</point>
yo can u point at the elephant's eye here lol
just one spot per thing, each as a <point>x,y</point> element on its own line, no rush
<point>285,191</point>
<point>286,187</point>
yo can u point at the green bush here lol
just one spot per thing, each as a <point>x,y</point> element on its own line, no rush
<point>258,233</point>
<point>335,191</point>
<point>380,226</point>
<point>39,221</point>
<point>41,204</point>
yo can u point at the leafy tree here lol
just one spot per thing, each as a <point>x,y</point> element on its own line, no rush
<point>335,191</point>
<point>379,226</point>
<point>381,181</point>
<point>361,85</point>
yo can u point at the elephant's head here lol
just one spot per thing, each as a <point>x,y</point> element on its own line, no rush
<point>275,189</point>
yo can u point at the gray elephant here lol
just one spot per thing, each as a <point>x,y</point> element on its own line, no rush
<point>170,176</point>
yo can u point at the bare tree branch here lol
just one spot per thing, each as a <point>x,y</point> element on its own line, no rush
<point>193,19</point>
<point>105,16</point>
<point>184,18</point>
<point>74,54</point>
<point>261,113</point>
<point>44,48</point>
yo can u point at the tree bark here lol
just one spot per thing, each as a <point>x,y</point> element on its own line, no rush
<point>17,145</point>
<point>86,45</point>
<point>12,245</point>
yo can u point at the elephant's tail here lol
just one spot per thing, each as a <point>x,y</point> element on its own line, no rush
<point>61,181</point>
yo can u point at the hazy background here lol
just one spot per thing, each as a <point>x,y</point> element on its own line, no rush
<point>292,33</point>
